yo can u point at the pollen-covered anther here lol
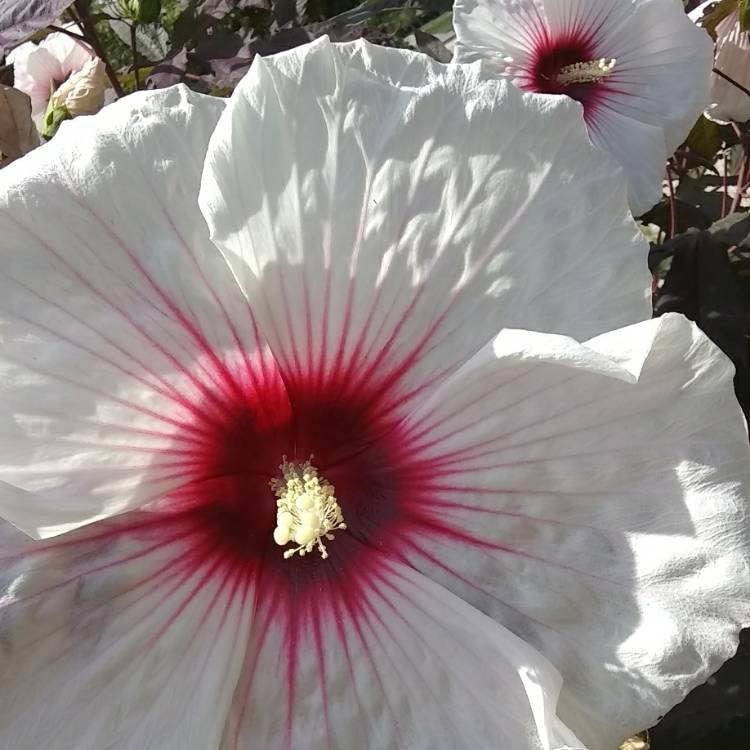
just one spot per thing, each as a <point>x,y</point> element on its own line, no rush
<point>592,71</point>
<point>307,511</point>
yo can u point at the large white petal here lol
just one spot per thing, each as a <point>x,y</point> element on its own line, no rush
<point>119,319</point>
<point>494,31</point>
<point>659,85</point>
<point>624,137</point>
<point>387,215</point>
<point>598,16</point>
<point>593,498</point>
<point>114,640</point>
<point>663,68</point>
<point>402,664</point>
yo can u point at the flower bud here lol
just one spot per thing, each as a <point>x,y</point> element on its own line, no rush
<point>53,118</point>
<point>83,92</point>
<point>141,11</point>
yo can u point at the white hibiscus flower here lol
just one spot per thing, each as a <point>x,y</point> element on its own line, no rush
<point>527,518</point>
<point>640,69</point>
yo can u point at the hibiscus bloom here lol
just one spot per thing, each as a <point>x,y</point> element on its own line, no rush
<point>240,332</point>
<point>640,69</point>
<point>62,69</point>
<point>728,101</point>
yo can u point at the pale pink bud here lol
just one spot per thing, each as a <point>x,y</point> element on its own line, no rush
<point>83,92</point>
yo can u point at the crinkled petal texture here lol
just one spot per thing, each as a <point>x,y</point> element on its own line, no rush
<point>112,640</point>
<point>642,110</point>
<point>516,513</point>
<point>401,212</point>
<point>609,477</point>
<point>135,636</point>
<point>402,664</point>
<point>119,315</point>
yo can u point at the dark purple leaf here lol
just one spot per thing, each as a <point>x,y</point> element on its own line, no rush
<point>221,60</point>
<point>363,12</point>
<point>21,18</point>
<point>6,74</point>
<point>219,8</point>
<point>687,216</point>
<point>201,21</point>
<point>285,11</point>
<point>218,46</point>
<point>228,71</point>
<point>169,72</point>
<point>702,285</point>
<point>432,46</point>
<point>337,32</point>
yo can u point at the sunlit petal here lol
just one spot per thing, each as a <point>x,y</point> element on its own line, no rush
<point>396,661</point>
<point>591,498</point>
<point>121,324</point>
<point>390,214</point>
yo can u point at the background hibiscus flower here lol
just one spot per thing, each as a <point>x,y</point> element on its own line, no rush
<point>638,67</point>
<point>56,68</point>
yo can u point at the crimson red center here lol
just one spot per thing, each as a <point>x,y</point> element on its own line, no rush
<point>234,449</point>
<point>551,58</point>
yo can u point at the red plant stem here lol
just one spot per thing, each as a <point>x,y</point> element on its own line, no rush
<point>740,184</point>
<point>89,32</point>
<point>741,177</point>
<point>672,205</point>
<point>725,185</point>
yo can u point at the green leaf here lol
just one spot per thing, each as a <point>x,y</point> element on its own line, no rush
<point>705,138</point>
<point>140,11</point>
<point>744,8</point>
<point>717,13</point>
<point>53,118</point>
<point>443,24</point>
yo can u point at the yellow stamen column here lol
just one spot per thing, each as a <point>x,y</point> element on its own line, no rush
<point>592,71</point>
<point>307,511</point>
